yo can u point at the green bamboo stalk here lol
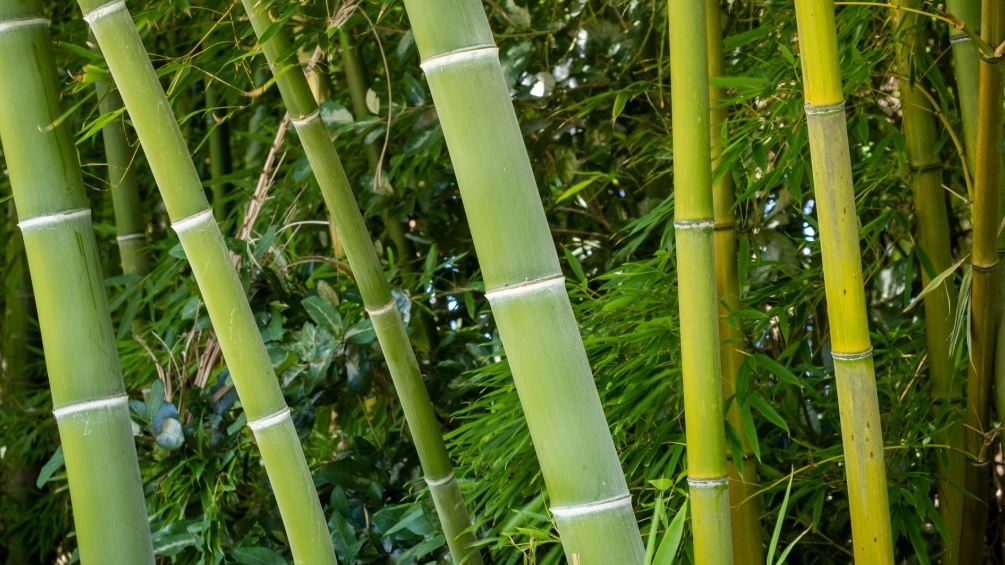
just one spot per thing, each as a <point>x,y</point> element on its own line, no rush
<point>984,295</point>
<point>744,500</point>
<point>967,65</point>
<point>88,394</point>
<point>219,153</point>
<point>694,224</point>
<point>858,405</point>
<point>266,410</point>
<point>590,501</point>
<point>921,141</point>
<point>377,298</point>
<point>132,239</point>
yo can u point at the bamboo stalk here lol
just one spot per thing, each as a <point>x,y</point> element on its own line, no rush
<point>858,405</point>
<point>744,500</point>
<point>88,394</point>
<point>377,298</point>
<point>694,224</point>
<point>267,413</point>
<point>590,501</point>
<point>967,65</point>
<point>921,140</point>
<point>984,295</point>
<point>219,153</point>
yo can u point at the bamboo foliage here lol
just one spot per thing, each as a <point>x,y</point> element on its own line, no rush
<point>851,348</point>
<point>377,297</point>
<point>88,394</point>
<point>744,499</point>
<point>921,141</point>
<point>266,410</point>
<point>590,501</point>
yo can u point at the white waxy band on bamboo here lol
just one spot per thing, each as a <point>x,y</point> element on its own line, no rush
<point>15,24</point>
<point>812,110</point>
<point>46,220</point>
<point>460,56</point>
<point>297,122</point>
<point>961,38</point>
<point>382,309</point>
<point>90,406</point>
<point>591,507</point>
<point>270,420</point>
<point>192,221</point>
<point>441,481</point>
<point>528,287</point>
<point>694,224</point>
<point>130,237</point>
<point>698,483</point>
<point>852,356</point>
<point>104,10</point>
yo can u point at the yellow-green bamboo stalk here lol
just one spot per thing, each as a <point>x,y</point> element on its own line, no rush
<point>88,394</point>
<point>694,224</point>
<point>131,238</point>
<point>266,410</point>
<point>377,298</point>
<point>984,295</point>
<point>590,501</point>
<point>854,373</point>
<point>744,500</point>
<point>921,141</point>
<point>966,63</point>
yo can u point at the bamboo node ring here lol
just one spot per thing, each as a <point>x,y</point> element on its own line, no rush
<point>851,356</point>
<point>192,221</point>
<point>591,507</point>
<point>46,220</point>
<point>381,309</point>
<point>270,420</point>
<point>24,22</point>
<point>925,168</point>
<point>526,287</point>
<point>961,38</point>
<point>459,56</point>
<point>130,237</point>
<point>694,224</point>
<point>103,10</point>
<point>812,110</point>
<point>441,481</point>
<point>90,406</point>
<point>699,483</point>
<point>298,122</point>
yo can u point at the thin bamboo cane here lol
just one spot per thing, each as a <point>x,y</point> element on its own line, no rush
<point>88,394</point>
<point>524,284</point>
<point>744,500</point>
<point>220,164</point>
<point>858,405</point>
<point>694,224</point>
<point>984,295</point>
<point>132,239</point>
<point>932,219</point>
<point>377,298</point>
<point>266,410</point>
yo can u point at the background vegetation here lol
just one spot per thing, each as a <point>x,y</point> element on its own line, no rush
<point>590,84</point>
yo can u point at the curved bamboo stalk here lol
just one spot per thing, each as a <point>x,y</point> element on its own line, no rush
<point>88,394</point>
<point>377,298</point>
<point>744,500</point>
<point>984,295</point>
<point>252,372</point>
<point>921,140</point>
<point>858,405</point>
<point>524,284</point>
<point>694,224</point>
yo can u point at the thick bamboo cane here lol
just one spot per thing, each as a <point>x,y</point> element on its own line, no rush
<point>335,187</point>
<point>854,373</point>
<point>88,394</point>
<point>252,372</point>
<point>921,141</point>
<point>984,294</point>
<point>744,501</point>
<point>694,224</point>
<point>524,284</point>
<point>967,66</point>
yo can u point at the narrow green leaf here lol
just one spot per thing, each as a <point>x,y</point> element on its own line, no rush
<point>671,540</point>
<point>51,466</point>
<point>767,411</point>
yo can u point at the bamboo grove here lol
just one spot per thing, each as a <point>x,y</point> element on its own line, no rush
<point>504,282</point>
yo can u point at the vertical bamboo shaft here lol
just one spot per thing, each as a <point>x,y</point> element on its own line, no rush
<point>236,329</point>
<point>984,296</point>
<point>88,394</point>
<point>708,478</point>
<point>744,501</point>
<point>523,281</point>
<point>921,141</point>
<point>967,65</point>
<point>220,164</point>
<point>335,187</point>
<point>854,373</point>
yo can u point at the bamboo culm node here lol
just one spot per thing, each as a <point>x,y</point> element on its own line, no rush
<point>269,421</point>
<point>90,406</point>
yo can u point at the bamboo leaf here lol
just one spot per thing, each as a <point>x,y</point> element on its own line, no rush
<point>936,282</point>
<point>671,540</point>
<point>778,523</point>
<point>767,411</point>
<point>776,369</point>
<point>51,466</point>
<point>257,556</point>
